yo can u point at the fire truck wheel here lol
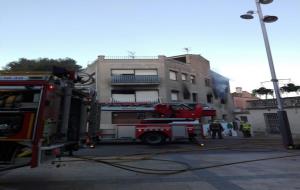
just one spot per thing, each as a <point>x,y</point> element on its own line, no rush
<point>154,138</point>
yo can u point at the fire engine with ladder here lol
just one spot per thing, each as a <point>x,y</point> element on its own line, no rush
<point>40,115</point>
<point>168,122</point>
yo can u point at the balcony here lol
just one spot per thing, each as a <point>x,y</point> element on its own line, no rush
<point>272,103</point>
<point>135,80</point>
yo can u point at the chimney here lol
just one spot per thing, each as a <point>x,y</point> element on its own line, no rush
<point>101,57</point>
<point>238,89</point>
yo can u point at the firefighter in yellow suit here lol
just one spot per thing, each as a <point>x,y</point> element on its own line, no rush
<point>246,129</point>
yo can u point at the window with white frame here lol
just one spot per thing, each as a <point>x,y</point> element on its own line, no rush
<point>122,72</point>
<point>134,71</point>
<point>146,96</point>
<point>124,95</point>
<point>193,79</point>
<point>174,95</point>
<point>183,76</point>
<point>173,75</point>
<point>145,72</point>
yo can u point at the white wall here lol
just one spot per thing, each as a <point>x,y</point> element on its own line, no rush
<point>257,120</point>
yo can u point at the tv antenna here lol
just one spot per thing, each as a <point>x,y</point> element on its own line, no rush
<point>131,54</point>
<point>187,50</point>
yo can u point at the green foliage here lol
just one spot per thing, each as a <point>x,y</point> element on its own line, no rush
<point>290,88</point>
<point>263,91</point>
<point>41,64</point>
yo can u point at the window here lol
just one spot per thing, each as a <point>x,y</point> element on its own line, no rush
<point>193,79</point>
<point>173,75</point>
<point>209,98</point>
<point>145,72</point>
<point>223,101</point>
<point>123,96</point>
<point>146,95</point>
<point>134,96</point>
<point>194,97</point>
<point>174,95</point>
<point>185,91</point>
<point>134,72</point>
<point>122,72</point>
<point>183,76</point>
<point>207,82</point>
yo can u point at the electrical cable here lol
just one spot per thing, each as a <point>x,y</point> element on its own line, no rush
<point>13,167</point>
<point>187,167</point>
<point>245,161</point>
<point>149,157</point>
<point>142,170</point>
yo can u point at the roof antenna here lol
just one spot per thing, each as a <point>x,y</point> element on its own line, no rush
<point>131,54</point>
<point>187,50</point>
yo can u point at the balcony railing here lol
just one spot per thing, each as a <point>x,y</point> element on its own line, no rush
<point>272,103</point>
<point>132,57</point>
<point>135,80</point>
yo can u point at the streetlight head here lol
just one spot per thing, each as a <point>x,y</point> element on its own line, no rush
<point>265,1</point>
<point>247,16</point>
<point>270,19</point>
<point>250,12</point>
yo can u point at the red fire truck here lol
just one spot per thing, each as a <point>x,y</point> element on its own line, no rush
<point>169,122</point>
<point>39,113</point>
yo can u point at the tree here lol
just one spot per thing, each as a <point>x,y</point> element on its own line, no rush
<point>41,64</point>
<point>290,88</point>
<point>263,91</point>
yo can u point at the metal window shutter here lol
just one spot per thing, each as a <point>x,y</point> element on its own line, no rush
<point>174,96</point>
<point>122,71</point>
<point>173,75</point>
<point>123,97</point>
<point>146,96</point>
<point>146,72</point>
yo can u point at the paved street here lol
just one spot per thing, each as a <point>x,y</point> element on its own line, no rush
<point>202,167</point>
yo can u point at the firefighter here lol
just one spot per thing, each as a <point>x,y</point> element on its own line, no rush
<point>215,127</point>
<point>230,128</point>
<point>246,129</point>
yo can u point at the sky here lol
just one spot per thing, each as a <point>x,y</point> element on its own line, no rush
<point>84,29</point>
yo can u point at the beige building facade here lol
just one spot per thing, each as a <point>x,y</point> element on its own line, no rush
<point>183,79</point>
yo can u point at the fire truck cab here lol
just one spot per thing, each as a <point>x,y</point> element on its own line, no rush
<point>39,113</point>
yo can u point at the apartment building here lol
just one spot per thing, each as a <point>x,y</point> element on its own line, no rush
<point>183,78</point>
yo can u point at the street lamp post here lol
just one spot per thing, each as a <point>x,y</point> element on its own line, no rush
<point>284,126</point>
